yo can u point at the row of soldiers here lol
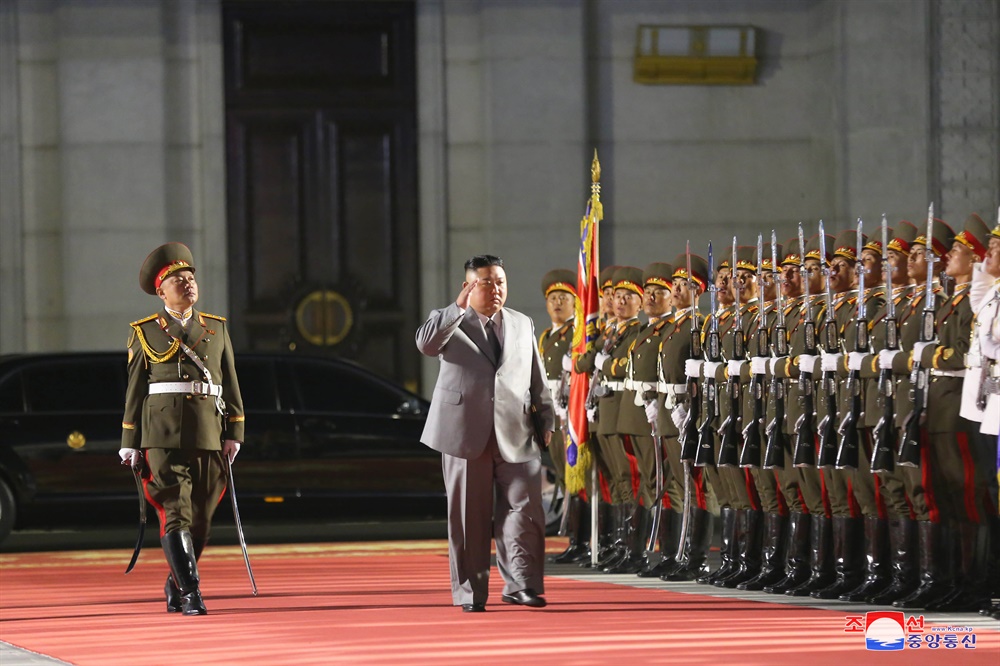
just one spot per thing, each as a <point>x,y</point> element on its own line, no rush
<point>780,399</point>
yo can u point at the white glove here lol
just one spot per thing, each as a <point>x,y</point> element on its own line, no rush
<point>130,457</point>
<point>600,359</point>
<point>831,362</point>
<point>562,412</point>
<point>806,363</point>
<point>592,414</point>
<point>677,415</point>
<point>652,410</point>
<point>711,369</point>
<point>567,363</point>
<point>885,358</point>
<point>692,368</point>
<point>735,367</point>
<point>773,362</point>
<point>230,448</point>
<point>918,349</point>
<point>758,365</point>
<point>855,360</point>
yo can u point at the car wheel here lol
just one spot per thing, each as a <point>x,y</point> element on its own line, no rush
<point>8,510</point>
<point>552,500</point>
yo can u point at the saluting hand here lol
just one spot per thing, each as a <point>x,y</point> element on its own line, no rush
<point>463,296</point>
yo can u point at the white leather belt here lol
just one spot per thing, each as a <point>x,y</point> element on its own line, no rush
<point>640,387</point>
<point>614,386</point>
<point>672,391</point>
<point>947,373</point>
<point>191,388</point>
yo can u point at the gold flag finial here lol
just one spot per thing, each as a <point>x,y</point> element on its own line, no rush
<point>595,168</point>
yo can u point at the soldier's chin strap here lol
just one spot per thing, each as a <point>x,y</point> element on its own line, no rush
<point>220,404</point>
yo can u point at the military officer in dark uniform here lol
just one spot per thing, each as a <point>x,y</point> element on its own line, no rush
<point>610,363</point>
<point>554,345</point>
<point>925,491</point>
<point>675,403</point>
<point>183,416</point>
<point>640,388</point>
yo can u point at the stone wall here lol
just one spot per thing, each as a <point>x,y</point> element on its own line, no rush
<point>111,139</point>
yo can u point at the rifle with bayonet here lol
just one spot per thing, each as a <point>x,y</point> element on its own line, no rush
<point>750,455</point>
<point>804,453</point>
<point>713,354</point>
<point>730,430</point>
<point>831,345</point>
<point>882,455</point>
<point>909,446</point>
<point>774,454</point>
<point>688,435</point>
<point>847,454</point>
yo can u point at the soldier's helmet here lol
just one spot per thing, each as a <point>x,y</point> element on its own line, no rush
<point>944,236</point>
<point>813,249</point>
<point>606,278</point>
<point>846,244</point>
<point>559,279</point>
<point>163,262</point>
<point>628,277</point>
<point>658,273</point>
<point>902,237</point>
<point>975,235</point>
<point>699,270</point>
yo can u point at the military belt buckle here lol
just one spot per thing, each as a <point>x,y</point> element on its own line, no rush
<point>200,388</point>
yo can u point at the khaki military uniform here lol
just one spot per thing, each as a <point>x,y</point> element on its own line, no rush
<point>181,430</point>
<point>553,347</point>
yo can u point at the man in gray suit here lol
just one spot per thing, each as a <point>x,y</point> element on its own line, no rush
<point>489,401</point>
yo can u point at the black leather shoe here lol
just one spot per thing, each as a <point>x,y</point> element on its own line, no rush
<point>524,597</point>
<point>473,608</point>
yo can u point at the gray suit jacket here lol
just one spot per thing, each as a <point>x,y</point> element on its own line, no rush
<point>475,395</point>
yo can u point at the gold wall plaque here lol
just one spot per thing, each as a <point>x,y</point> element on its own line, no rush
<point>76,440</point>
<point>324,318</point>
<point>696,54</point>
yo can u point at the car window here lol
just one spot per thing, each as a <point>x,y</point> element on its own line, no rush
<point>11,398</point>
<point>257,385</point>
<point>328,387</point>
<point>75,386</point>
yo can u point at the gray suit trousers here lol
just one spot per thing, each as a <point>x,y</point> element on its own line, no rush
<point>513,517</point>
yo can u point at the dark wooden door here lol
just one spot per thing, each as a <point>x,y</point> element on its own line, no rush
<point>321,180</point>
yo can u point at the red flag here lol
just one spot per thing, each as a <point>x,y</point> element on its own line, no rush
<point>584,334</point>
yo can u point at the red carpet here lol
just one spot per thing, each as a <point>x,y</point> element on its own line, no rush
<point>390,604</point>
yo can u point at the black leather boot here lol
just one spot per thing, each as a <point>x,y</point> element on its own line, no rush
<point>747,549</point>
<point>820,560</point>
<point>727,548</point>
<point>619,548</point>
<point>180,553</point>
<point>846,560</point>
<point>668,536</point>
<point>635,545</point>
<point>933,576</point>
<point>903,560</point>
<point>772,564</point>
<point>696,545</point>
<point>969,593</point>
<point>797,554</point>
<point>876,570</point>
<point>576,546</point>
<point>170,589</point>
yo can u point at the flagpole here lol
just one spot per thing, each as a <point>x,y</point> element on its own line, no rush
<point>596,214</point>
